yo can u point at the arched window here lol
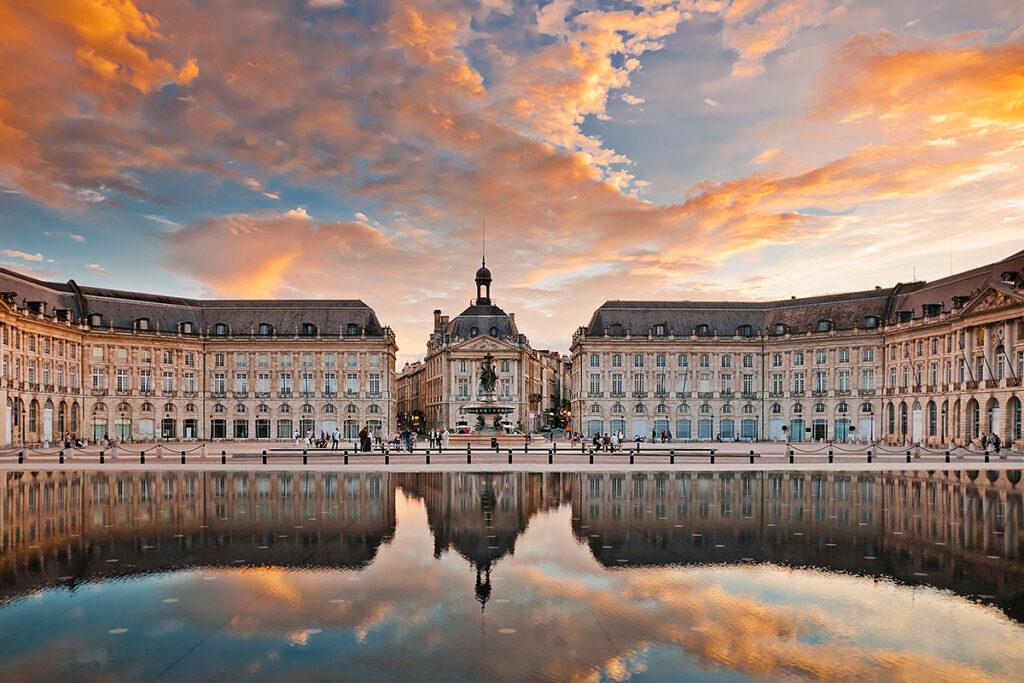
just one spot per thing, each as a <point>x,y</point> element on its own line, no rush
<point>169,408</point>
<point>797,408</point>
<point>263,408</point>
<point>124,408</point>
<point>662,408</point>
<point>819,407</point>
<point>843,408</point>
<point>190,408</point>
<point>595,408</point>
<point>748,409</point>
<point>684,408</point>
<point>705,409</point>
<point>218,408</point>
<point>892,419</point>
<point>493,331</point>
<point>903,419</point>
<point>617,408</point>
<point>727,409</point>
<point>351,409</point>
<point>329,408</point>
<point>865,407</point>
<point>474,331</point>
<point>147,407</point>
<point>374,409</point>
<point>240,408</point>
<point>639,408</point>
<point>306,408</point>
<point>776,409</point>
<point>285,408</point>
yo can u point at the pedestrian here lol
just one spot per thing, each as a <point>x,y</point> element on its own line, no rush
<point>335,438</point>
<point>445,436</point>
<point>615,441</point>
<point>607,442</point>
<point>996,442</point>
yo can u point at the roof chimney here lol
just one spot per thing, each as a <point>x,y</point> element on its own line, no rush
<point>437,320</point>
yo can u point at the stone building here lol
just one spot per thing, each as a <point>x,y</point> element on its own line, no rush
<point>920,362</point>
<point>448,378</point>
<point>139,367</point>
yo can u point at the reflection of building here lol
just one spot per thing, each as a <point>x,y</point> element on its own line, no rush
<point>448,379</point>
<point>956,530</point>
<point>142,366</point>
<point>947,355</point>
<point>65,524</point>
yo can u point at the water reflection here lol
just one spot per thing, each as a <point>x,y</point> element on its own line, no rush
<point>467,576</point>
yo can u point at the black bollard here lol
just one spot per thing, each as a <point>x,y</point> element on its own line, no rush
<point>986,457</point>
<point>869,457</point>
<point>142,457</point>
<point>551,458</point>
<point>554,446</point>
<point>751,457</point>
<point>791,460</point>
<point>591,457</point>
<point>223,458</point>
<point>712,457</point>
<point>831,458</point>
<point>510,456</point>
<point>631,457</point>
<point>264,457</point>
<point>305,458</point>
<point>101,457</point>
<point>671,457</point>
<point>469,456</point>
<point>428,457</point>
<point>183,457</point>
<point>526,447</point>
<point>387,459</point>
<point>62,457</point>
<point>346,457</point>
<point>21,457</point>
<point>947,456</point>
<point>908,456</point>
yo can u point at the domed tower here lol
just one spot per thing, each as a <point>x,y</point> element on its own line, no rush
<point>483,285</point>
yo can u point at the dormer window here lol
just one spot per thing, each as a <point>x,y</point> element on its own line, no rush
<point>352,329</point>
<point>220,330</point>
<point>746,331</point>
<point>781,329</point>
<point>659,330</point>
<point>308,330</point>
<point>871,322</point>
<point>493,332</point>
<point>265,330</point>
<point>95,320</point>
<point>703,330</point>
<point>473,331</point>
<point>615,330</point>
<point>824,325</point>
<point>142,324</point>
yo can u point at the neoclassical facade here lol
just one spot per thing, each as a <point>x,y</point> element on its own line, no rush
<point>923,363</point>
<point>447,380</point>
<point>141,367</point>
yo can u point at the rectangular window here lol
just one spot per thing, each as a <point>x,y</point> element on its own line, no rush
<point>934,374</point>
<point>704,382</point>
<point>617,383</point>
<point>241,360</point>
<point>286,360</point>
<point>307,383</point>
<point>147,356</point>
<point>820,358</point>
<point>351,360</point>
<point>219,383</point>
<point>660,360</point>
<point>705,360</point>
<point>168,357</point>
<point>190,359</point>
<point>463,388</point>
<point>168,381</point>
<point>777,383</point>
<point>638,382</point>
<point>123,380</point>
<point>868,355</point>
<point>844,355</point>
<point>73,378</point>
<point>617,360</point>
<point>352,384</point>
<point>798,358</point>
<point>595,384</point>
<point>798,382</point>
<point>843,378</point>
<point>263,360</point>
<point>776,360</point>
<point>263,382</point>
<point>99,381</point>
<point>462,366</point>
<point>660,383</point>
<point>867,380</point>
<point>145,380</point>
<point>726,361</point>
<point>682,360</point>
<point>190,382</point>
<point>506,389</point>
<point>328,360</point>
<point>122,355</point>
<point>820,381</point>
<point>286,383</point>
<point>638,360</point>
<point>506,366</point>
<point>330,382</point>
<point>218,360</point>
<point>748,384</point>
<point>748,361</point>
<point>241,382</point>
<point>595,360</point>
<point>726,382</point>
<point>374,360</point>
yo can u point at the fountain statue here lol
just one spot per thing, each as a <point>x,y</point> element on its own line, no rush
<point>488,415</point>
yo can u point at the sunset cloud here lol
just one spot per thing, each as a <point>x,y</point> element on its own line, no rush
<point>14,253</point>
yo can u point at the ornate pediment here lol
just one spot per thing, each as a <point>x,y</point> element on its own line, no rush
<point>992,298</point>
<point>483,343</point>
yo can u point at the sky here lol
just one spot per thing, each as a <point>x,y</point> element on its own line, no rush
<point>697,149</point>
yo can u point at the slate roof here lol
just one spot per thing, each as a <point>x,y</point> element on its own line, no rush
<point>123,308</point>
<point>483,317</point>
<point>845,311</point>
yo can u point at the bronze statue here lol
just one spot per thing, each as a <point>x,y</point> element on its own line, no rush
<point>488,378</point>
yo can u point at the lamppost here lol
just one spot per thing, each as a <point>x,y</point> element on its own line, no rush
<point>23,414</point>
<point>120,428</point>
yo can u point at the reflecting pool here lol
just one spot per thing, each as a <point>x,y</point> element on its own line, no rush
<point>458,577</point>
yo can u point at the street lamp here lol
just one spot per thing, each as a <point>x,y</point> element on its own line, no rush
<point>23,413</point>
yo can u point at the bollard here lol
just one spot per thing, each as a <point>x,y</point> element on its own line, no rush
<point>712,457</point>
<point>346,457</point>
<point>469,456</point>
<point>908,456</point>
<point>790,452</point>
<point>554,446</point>
<point>305,458</point>
<point>223,458</point>
<point>21,457</point>
<point>183,457</point>
<point>869,457</point>
<point>428,457</point>
<point>62,457</point>
<point>751,457</point>
<point>551,458</point>
<point>264,457</point>
<point>947,456</point>
<point>387,459</point>
<point>831,458</point>
<point>671,457</point>
<point>510,456</point>
<point>630,457</point>
<point>142,457</point>
<point>986,457</point>
<point>526,447</point>
<point>791,460</point>
<point>591,457</point>
<point>101,457</point>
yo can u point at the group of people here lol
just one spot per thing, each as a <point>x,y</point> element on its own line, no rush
<point>992,440</point>
<point>333,438</point>
<point>438,438</point>
<point>610,442</point>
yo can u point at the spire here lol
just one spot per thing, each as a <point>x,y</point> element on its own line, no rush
<point>483,242</point>
<point>483,276</point>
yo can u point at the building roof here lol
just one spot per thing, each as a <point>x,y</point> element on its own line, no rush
<point>844,311</point>
<point>485,319</point>
<point>121,308</point>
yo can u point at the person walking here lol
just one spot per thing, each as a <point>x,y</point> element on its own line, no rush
<point>445,437</point>
<point>615,441</point>
<point>335,438</point>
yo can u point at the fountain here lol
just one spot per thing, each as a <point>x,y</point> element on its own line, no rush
<point>489,429</point>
